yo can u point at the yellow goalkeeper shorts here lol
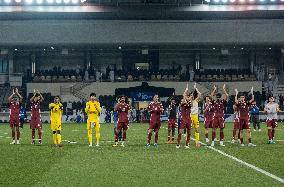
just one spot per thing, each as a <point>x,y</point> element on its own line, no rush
<point>55,125</point>
<point>194,121</point>
<point>96,124</point>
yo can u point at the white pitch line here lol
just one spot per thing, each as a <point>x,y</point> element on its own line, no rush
<point>237,140</point>
<point>245,163</point>
<point>108,141</point>
<point>68,141</point>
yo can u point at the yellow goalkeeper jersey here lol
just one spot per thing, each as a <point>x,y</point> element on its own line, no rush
<point>93,109</point>
<point>56,111</point>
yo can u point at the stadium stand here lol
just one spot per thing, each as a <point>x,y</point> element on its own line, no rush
<point>213,75</point>
<point>204,75</point>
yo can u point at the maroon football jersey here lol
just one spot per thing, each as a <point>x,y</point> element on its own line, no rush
<point>185,109</point>
<point>122,110</point>
<point>243,108</point>
<point>209,110</point>
<point>172,112</point>
<point>35,109</point>
<point>219,108</point>
<point>155,110</point>
<point>14,109</point>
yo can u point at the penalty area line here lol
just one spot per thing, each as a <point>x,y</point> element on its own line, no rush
<point>245,163</point>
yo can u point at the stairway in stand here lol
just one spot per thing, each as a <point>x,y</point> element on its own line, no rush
<point>279,90</point>
<point>75,90</point>
<point>280,86</point>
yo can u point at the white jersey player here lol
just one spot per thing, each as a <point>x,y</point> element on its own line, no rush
<point>271,109</point>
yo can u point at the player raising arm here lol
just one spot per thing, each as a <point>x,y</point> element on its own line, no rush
<point>185,109</point>
<point>271,109</point>
<point>56,109</point>
<point>219,113</point>
<point>236,127</point>
<point>172,120</point>
<point>155,109</point>
<point>122,109</point>
<point>243,107</point>
<point>93,109</point>
<point>194,114</point>
<point>15,101</point>
<point>35,122</point>
<point>208,111</point>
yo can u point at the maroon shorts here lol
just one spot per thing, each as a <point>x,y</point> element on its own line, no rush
<point>35,123</point>
<point>244,124</point>
<point>14,122</point>
<point>208,123</point>
<point>236,123</point>
<point>171,123</point>
<point>218,122</point>
<point>185,124</point>
<point>271,123</point>
<point>155,125</point>
<point>122,125</point>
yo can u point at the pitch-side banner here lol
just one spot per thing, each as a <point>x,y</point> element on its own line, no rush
<point>142,96</point>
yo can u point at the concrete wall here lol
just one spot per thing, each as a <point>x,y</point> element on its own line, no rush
<point>53,88</point>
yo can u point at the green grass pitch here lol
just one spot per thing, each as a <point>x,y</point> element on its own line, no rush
<point>134,165</point>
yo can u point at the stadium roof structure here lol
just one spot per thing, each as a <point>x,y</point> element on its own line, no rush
<point>158,12</point>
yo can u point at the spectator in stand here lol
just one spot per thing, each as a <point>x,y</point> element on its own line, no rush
<point>281,102</point>
<point>275,83</point>
<point>257,72</point>
<point>98,76</point>
<point>145,113</point>
<point>103,115</point>
<point>142,117</point>
<point>262,73</point>
<point>270,83</point>
<point>107,71</point>
<point>179,69</point>
<point>277,99</point>
<point>79,118</point>
<point>86,76</point>
<point>85,117</point>
<point>254,111</point>
<point>138,115</point>
<point>94,73</point>
<point>108,116</point>
<point>55,70</point>
<point>133,113</point>
<point>23,116</point>
<point>191,75</point>
<point>91,71</point>
<point>111,76</point>
<point>77,72</point>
